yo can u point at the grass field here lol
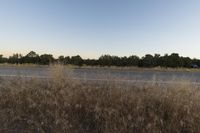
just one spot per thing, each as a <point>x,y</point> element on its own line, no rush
<point>63,105</point>
<point>106,67</point>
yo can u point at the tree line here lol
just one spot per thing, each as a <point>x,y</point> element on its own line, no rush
<point>173,60</point>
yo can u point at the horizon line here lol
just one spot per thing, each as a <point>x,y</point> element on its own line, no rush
<point>97,57</point>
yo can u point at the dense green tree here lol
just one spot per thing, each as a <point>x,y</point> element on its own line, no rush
<point>173,60</point>
<point>15,59</point>
<point>115,61</point>
<point>105,60</point>
<point>32,54</point>
<point>67,60</point>
<point>133,60</point>
<point>31,57</point>
<point>148,61</point>
<point>77,60</point>
<point>61,59</point>
<point>156,60</point>
<point>91,62</point>
<point>187,62</point>
<point>46,59</point>
<point>1,58</point>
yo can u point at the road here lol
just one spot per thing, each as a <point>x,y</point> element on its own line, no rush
<point>102,74</point>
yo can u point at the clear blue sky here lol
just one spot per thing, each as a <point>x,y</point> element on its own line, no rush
<point>91,28</point>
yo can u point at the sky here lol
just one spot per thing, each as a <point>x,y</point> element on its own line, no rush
<point>91,28</point>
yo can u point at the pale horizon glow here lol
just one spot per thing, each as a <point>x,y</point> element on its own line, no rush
<point>92,28</point>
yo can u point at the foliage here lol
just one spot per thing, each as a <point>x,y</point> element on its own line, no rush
<point>173,60</point>
<point>46,59</point>
<point>31,57</point>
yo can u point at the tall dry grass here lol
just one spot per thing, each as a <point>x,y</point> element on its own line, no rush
<point>62,105</point>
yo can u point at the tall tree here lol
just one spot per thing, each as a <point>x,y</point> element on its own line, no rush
<point>61,59</point>
<point>77,60</point>
<point>1,58</point>
<point>31,57</point>
<point>148,61</point>
<point>46,59</point>
<point>133,60</point>
<point>15,59</point>
<point>105,60</point>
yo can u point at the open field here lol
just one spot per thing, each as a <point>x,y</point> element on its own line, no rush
<point>100,74</point>
<point>62,104</point>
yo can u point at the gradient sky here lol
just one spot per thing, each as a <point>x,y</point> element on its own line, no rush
<point>91,28</point>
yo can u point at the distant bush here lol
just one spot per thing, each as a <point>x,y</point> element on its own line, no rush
<point>173,60</point>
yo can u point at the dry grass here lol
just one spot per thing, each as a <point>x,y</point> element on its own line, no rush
<point>62,105</point>
<point>125,68</point>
